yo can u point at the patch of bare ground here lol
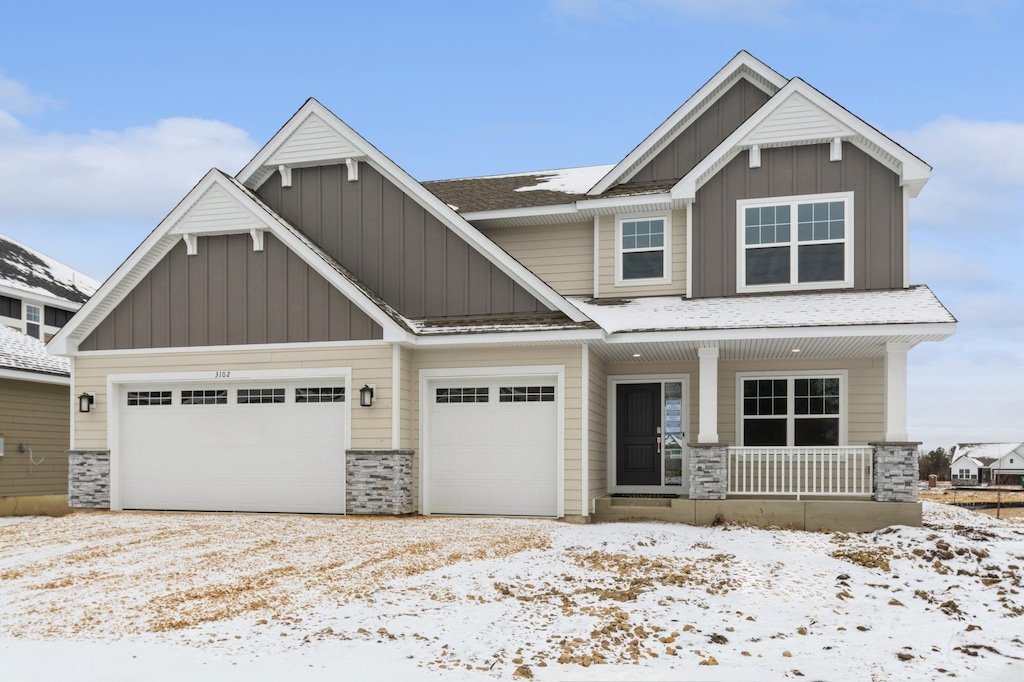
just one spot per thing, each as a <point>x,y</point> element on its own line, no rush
<point>160,572</point>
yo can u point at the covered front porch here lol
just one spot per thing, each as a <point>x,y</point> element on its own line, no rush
<point>802,427</point>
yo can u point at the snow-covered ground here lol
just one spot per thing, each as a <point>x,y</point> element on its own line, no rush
<point>246,597</point>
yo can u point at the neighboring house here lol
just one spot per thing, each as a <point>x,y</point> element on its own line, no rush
<point>38,295</point>
<point>722,318</point>
<point>971,467</point>
<point>1003,462</point>
<point>35,416</point>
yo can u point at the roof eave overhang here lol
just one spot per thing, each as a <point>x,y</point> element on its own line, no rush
<point>936,331</point>
<point>35,377</point>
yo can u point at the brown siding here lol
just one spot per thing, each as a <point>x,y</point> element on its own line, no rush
<point>788,171</point>
<point>719,121</point>
<point>228,294</point>
<point>394,245</point>
<point>37,415</point>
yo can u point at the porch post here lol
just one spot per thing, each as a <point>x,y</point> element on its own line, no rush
<point>708,406</point>
<point>896,392</point>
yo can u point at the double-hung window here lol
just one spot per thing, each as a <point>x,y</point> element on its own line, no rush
<point>791,243</point>
<point>643,250</point>
<point>792,411</point>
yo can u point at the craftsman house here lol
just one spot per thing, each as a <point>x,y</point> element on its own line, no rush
<point>997,463</point>
<point>715,326</point>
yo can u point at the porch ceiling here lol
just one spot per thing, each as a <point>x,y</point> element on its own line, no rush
<point>758,348</point>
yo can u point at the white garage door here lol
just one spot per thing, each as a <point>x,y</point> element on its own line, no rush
<point>493,447</point>
<point>268,446</point>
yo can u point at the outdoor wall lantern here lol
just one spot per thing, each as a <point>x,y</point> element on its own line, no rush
<point>366,395</point>
<point>85,401</point>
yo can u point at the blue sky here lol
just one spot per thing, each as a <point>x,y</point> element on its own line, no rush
<point>111,111</point>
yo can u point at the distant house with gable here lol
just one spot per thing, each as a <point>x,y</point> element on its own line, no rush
<point>981,463</point>
<point>38,295</point>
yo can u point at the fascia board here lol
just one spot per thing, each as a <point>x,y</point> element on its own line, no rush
<point>743,59</point>
<point>528,212</point>
<point>429,201</point>
<point>939,329</point>
<point>914,172</point>
<point>35,377</point>
<point>508,337</point>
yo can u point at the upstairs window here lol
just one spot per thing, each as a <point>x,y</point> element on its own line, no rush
<point>793,243</point>
<point>642,250</point>
<point>32,319</point>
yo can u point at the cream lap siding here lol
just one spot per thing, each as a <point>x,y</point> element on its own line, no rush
<point>865,409</point>
<point>569,356</point>
<point>216,211</point>
<point>561,255</point>
<point>598,432</point>
<point>607,262</point>
<point>371,364</point>
<point>37,415</point>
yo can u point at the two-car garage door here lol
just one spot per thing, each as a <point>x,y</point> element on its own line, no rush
<point>492,446</point>
<point>274,446</point>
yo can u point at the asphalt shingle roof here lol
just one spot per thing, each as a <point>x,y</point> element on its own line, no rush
<point>26,354</point>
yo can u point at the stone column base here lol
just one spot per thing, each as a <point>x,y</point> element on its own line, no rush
<point>89,479</point>
<point>378,482</point>
<point>895,472</point>
<point>708,472</point>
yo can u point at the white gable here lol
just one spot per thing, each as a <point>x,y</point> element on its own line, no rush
<point>797,119</point>
<point>313,142</point>
<point>217,212</point>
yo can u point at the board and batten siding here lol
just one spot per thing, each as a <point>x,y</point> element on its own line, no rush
<point>793,171</point>
<point>394,245</point>
<point>679,157</point>
<point>371,364</point>
<point>606,262</point>
<point>37,415</point>
<point>561,255</point>
<point>228,294</point>
<point>569,356</point>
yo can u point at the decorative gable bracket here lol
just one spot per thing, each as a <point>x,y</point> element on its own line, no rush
<point>191,239</point>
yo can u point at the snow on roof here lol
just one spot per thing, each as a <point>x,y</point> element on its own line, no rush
<point>992,451</point>
<point>24,353</point>
<point>568,180</point>
<point>915,305</point>
<point>30,271</point>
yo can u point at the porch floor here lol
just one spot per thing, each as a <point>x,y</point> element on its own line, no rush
<point>848,515</point>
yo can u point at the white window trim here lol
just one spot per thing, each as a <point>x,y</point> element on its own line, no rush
<point>841,374</point>
<point>613,381</point>
<point>666,253</point>
<point>741,247</point>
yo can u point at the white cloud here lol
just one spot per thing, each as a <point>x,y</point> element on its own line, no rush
<point>731,10</point>
<point>104,176</point>
<point>15,97</point>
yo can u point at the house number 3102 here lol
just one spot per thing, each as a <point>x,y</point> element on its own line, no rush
<point>221,374</point>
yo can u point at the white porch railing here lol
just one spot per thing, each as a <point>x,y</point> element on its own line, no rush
<point>828,470</point>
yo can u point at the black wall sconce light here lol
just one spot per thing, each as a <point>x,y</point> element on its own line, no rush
<point>85,401</point>
<point>366,395</point>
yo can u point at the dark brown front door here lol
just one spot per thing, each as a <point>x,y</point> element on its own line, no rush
<point>637,420</point>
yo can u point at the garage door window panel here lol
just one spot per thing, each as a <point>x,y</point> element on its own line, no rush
<point>526,394</point>
<point>322,394</point>
<point>140,398</point>
<point>205,397</point>
<point>462,395</point>
<point>258,396</point>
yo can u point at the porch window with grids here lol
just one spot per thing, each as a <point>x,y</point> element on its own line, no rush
<point>796,243</point>
<point>791,411</point>
<point>642,251</point>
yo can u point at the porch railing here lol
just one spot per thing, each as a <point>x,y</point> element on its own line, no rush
<point>831,471</point>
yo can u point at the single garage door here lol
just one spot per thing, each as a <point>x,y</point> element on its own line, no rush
<point>493,447</point>
<point>267,446</point>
